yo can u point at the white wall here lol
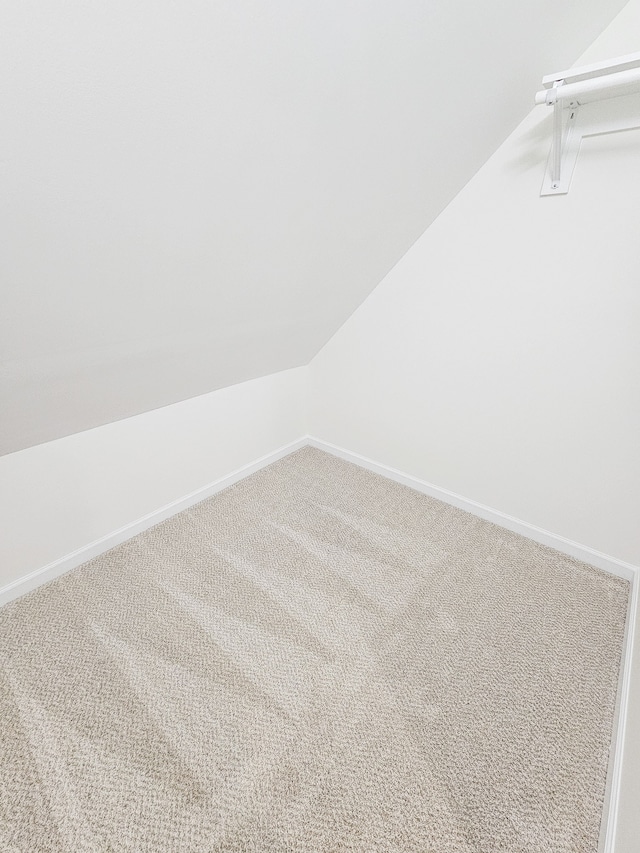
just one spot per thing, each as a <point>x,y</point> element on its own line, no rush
<point>500,358</point>
<point>63,495</point>
<point>199,193</point>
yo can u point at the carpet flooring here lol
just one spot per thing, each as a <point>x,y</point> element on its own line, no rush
<point>315,659</point>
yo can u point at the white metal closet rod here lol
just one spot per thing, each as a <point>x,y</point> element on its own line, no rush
<point>573,91</point>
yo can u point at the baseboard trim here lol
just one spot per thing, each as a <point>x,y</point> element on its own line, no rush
<point>76,558</point>
<point>516,525</point>
<point>104,543</point>
<point>615,774</point>
<point>566,546</point>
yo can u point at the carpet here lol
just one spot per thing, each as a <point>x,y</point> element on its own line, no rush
<point>315,659</point>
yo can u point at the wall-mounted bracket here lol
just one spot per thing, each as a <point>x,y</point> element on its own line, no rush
<point>587,101</point>
<point>564,149</point>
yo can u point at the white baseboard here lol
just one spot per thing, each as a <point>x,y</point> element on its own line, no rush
<point>566,546</point>
<point>560,543</point>
<point>99,546</point>
<point>612,804</point>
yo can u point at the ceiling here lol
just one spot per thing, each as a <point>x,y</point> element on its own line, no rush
<point>199,193</point>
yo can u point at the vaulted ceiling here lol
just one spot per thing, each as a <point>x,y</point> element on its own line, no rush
<point>197,193</point>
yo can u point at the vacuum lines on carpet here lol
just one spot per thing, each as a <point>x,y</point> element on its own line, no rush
<point>315,659</point>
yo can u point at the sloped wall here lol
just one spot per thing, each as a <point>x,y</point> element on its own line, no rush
<point>500,358</point>
<point>196,194</point>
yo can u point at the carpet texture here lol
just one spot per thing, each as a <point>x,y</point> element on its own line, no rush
<point>316,659</point>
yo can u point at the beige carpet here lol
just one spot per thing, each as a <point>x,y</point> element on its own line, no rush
<point>316,659</point>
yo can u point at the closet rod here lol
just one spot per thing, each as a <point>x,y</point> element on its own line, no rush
<point>573,91</point>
